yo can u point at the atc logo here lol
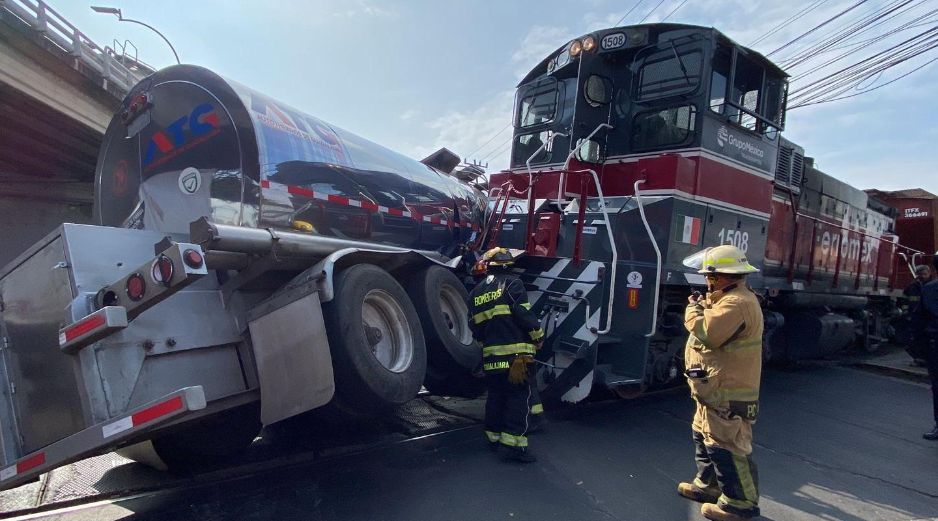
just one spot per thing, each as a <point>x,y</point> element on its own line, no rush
<point>190,180</point>
<point>723,136</point>
<point>202,124</point>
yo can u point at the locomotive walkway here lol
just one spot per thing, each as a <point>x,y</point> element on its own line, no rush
<point>832,443</point>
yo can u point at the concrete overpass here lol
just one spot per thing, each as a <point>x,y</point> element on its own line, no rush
<point>58,91</point>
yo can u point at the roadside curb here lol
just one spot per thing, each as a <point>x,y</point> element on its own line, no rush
<point>897,372</point>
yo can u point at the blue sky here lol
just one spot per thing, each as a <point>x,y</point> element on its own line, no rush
<point>418,75</point>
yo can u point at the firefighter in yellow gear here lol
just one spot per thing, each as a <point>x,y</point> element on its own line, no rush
<point>723,361</point>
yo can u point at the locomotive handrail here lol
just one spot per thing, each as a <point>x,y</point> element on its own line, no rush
<point>651,237</point>
<point>612,246</point>
<point>842,227</point>
<point>566,163</point>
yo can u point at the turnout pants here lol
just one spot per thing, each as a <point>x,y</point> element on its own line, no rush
<point>507,410</point>
<point>725,467</point>
<point>931,359</point>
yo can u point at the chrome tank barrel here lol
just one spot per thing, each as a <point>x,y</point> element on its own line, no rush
<point>259,241</point>
<point>188,144</point>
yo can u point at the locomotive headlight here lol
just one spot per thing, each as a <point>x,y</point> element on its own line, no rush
<point>575,48</point>
<point>589,43</point>
<point>563,58</point>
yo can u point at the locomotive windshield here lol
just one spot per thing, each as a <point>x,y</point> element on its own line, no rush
<point>658,86</point>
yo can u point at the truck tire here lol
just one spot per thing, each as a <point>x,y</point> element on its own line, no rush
<point>379,355</point>
<point>210,442</point>
<point>441,301</point>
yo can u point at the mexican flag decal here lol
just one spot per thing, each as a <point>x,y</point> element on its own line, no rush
<point>689,233</point>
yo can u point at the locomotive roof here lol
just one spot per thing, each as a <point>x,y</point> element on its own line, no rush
<point>716,35</point>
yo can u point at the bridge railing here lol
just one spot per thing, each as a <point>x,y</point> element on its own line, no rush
<point>56,29</point>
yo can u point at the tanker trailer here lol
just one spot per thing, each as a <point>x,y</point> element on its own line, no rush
<point>249,263</point>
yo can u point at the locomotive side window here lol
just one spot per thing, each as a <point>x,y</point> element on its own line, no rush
<point>747,87</point>
<point>755,100</point>
<point>668,71</point>
<point>526,144</point>
<point>538,104</point>
<point>663,128</point>
<point>718,80</point>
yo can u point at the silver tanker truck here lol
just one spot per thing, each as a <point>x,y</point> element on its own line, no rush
<point>248,263</point>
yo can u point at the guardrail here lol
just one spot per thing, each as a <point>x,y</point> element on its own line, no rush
<point>56,29</point>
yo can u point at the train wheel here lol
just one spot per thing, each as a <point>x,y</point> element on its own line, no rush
<point>441,301</point>
<point>377,344</point>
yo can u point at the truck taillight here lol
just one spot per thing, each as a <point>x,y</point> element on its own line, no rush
<point>192,258</point>
<point>138,104</point>
<point>162,270</point>
<point>136,287</point>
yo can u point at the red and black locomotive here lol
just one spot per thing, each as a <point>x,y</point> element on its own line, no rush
<point>636,146</point>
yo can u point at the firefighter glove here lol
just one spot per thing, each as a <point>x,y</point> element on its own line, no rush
<point>518,372</point>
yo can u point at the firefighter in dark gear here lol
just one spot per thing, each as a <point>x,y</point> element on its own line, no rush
<point>723,360</point>
<point>537,420</point>
<point>918,316</point>
<point>502,321</point>
<point>930,311</point>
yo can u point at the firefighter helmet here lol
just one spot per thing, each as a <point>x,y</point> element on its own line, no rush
<point>725,258</point>
<point>499,257</point>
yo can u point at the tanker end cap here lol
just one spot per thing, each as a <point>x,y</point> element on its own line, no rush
<point>443,160</point>
<point>202,231</point>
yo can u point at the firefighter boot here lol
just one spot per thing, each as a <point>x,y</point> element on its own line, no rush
<point>520,454</point>
<point>931,435</point>
<point>695,493</point>
<point>715,513</point>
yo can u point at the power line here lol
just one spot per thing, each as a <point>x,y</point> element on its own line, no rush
<point>628,12</point>
<point>848,31</point>
<point>815,28</point>
<point>866,90</point>
<point>864,44</point>
<point>653,9</point>
<point>483,145</point>
<point>674,11</point>
<point>788,21</point>
<point>496,151</point>
<point>835,85</point>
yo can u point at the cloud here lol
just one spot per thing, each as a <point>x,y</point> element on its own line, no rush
<point>409,114</point>
<point>363,8</point>
<point>469,132</point>
<point>540,41</point>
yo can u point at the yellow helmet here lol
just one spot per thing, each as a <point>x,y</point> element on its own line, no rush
<point>499,257</point>
<point>721,259</point>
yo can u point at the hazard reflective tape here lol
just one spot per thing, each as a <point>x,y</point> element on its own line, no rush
<point>25,464</point>
<point>145,416</point>
<point>92,328</point>
<point>367,205</point>
<point>80,328</point>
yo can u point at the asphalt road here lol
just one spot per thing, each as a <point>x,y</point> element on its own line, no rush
<point>831,443</point>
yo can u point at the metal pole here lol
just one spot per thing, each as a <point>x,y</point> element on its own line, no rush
<point>122,19</point>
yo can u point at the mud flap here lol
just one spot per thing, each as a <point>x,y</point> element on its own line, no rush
<point>294,365</point>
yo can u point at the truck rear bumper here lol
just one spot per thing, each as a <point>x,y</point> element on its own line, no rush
<point>109,433</point>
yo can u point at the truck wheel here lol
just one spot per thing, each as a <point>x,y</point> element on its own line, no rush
<point>440,298</point>
<point>378,349</point>
<point>460,384</point>
<point>210,442</point>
